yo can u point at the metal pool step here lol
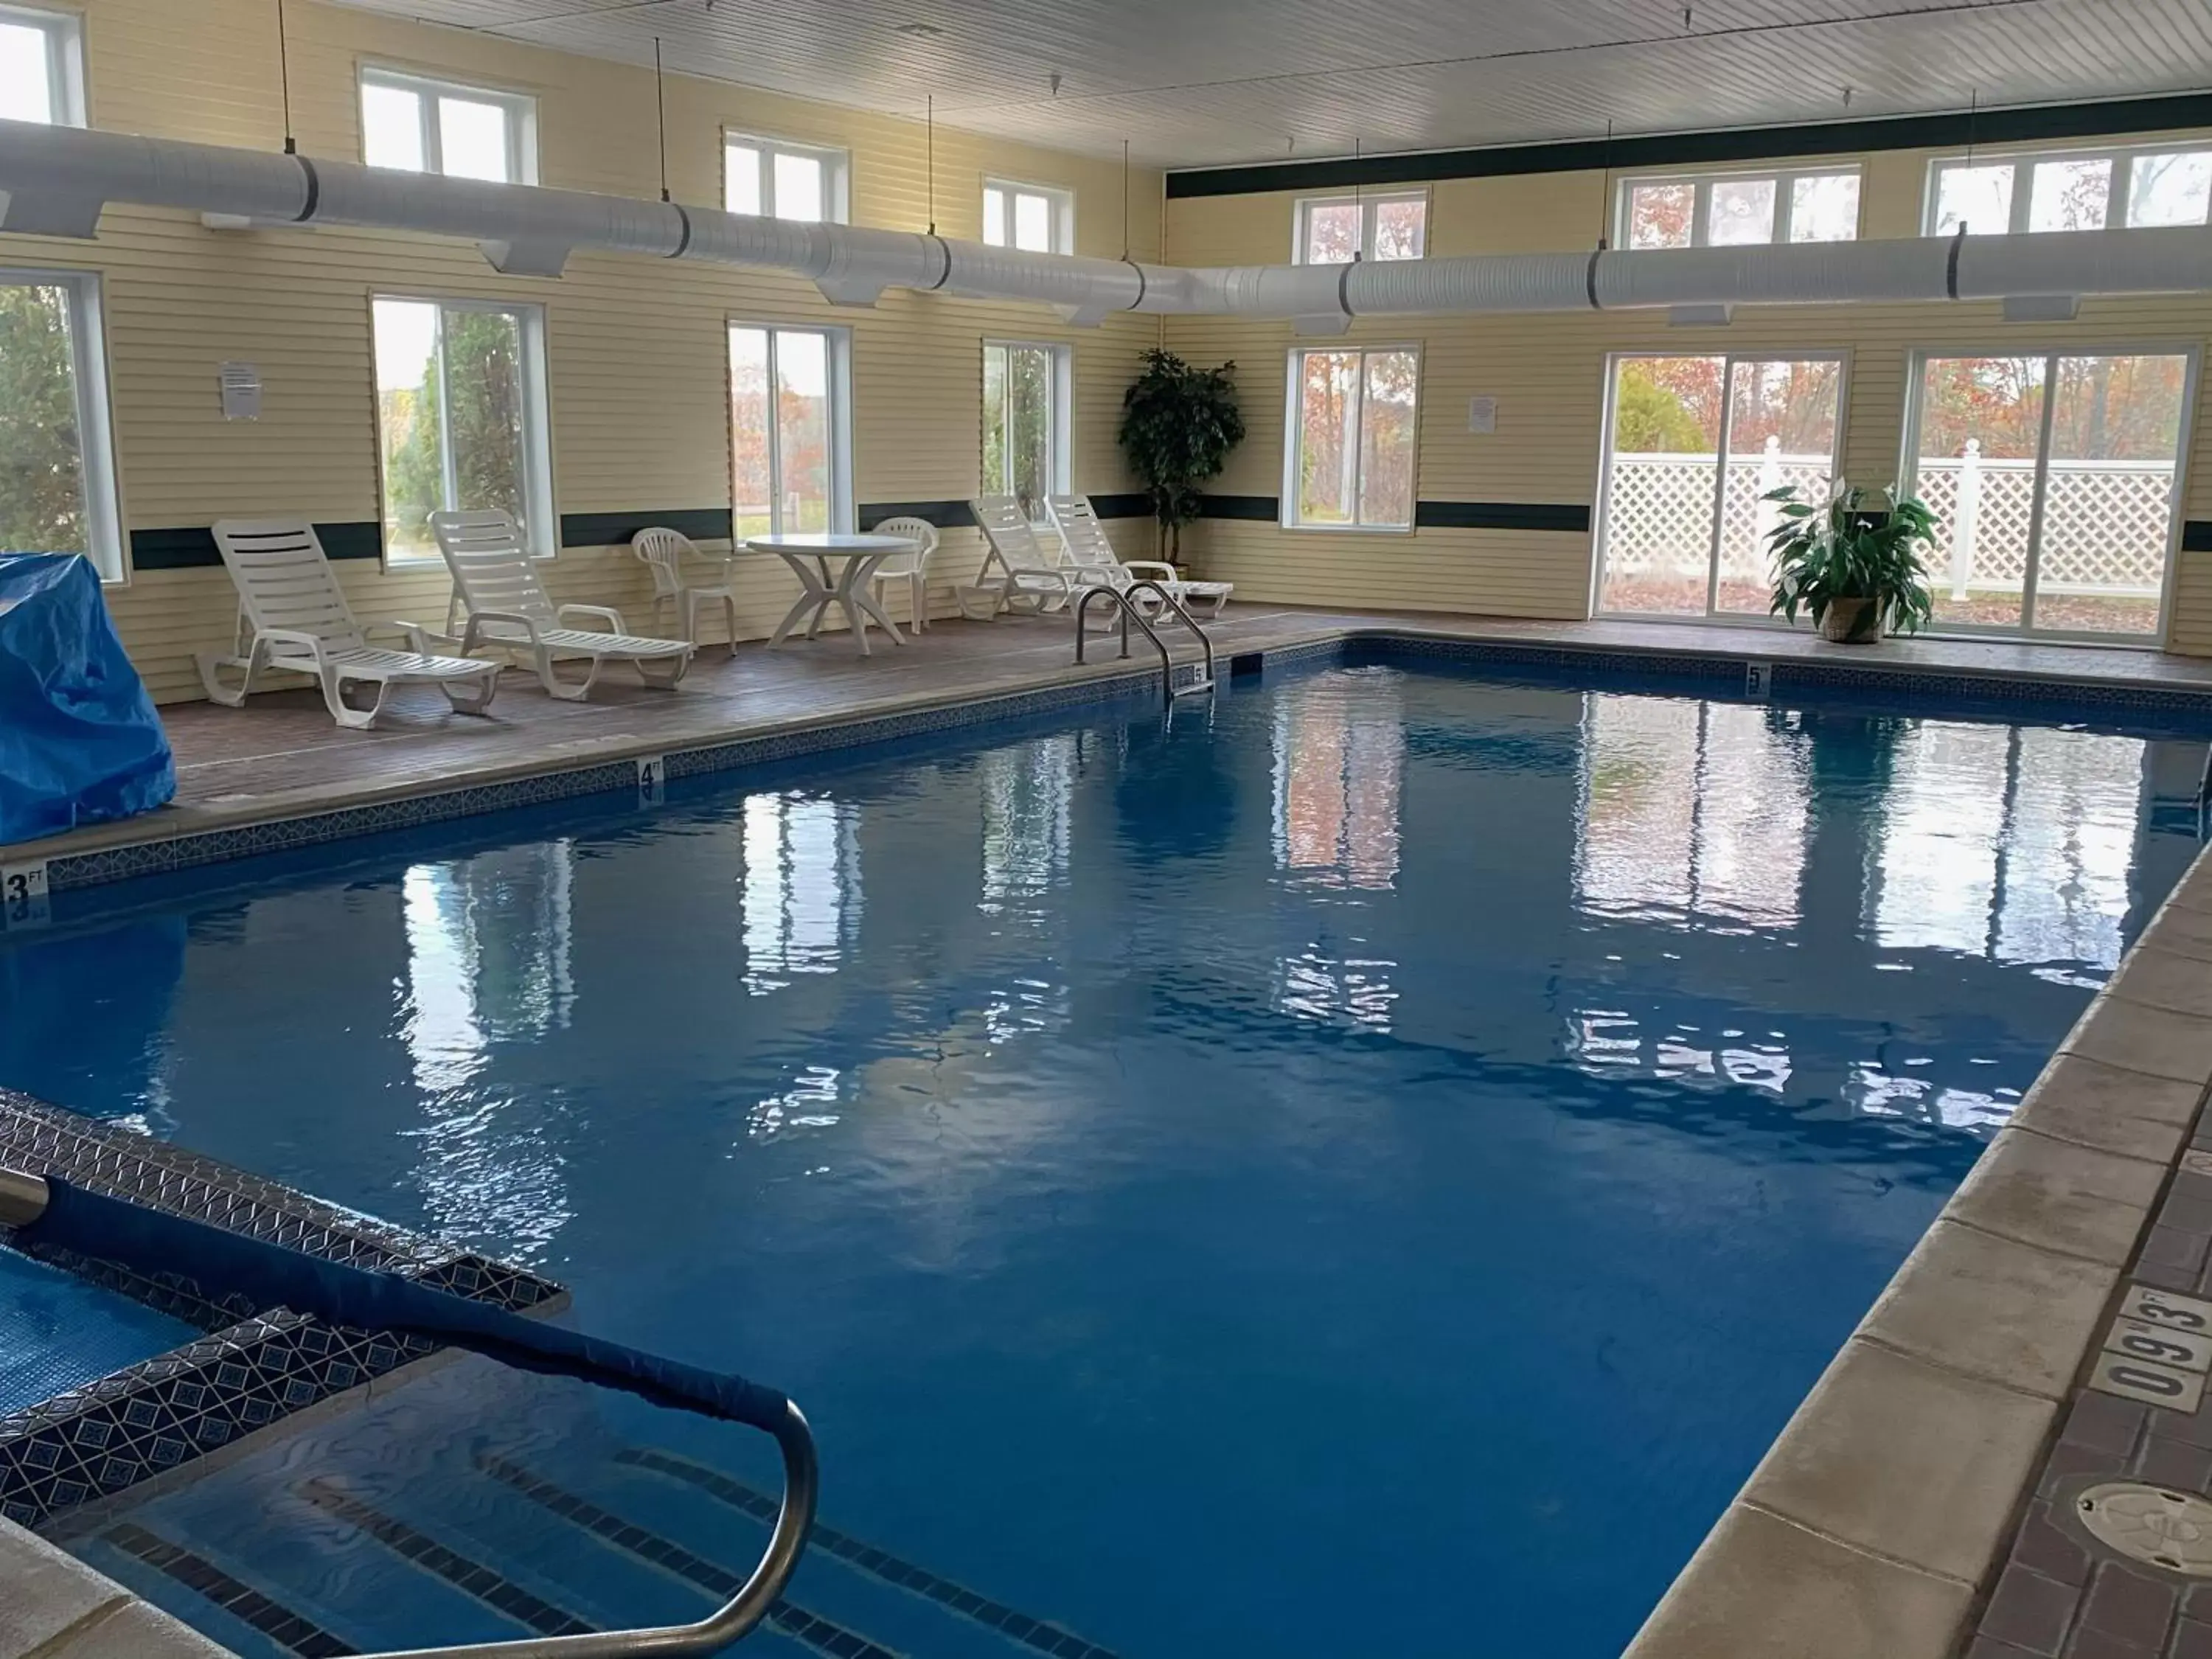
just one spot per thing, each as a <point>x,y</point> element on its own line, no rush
<point>534,1554</point>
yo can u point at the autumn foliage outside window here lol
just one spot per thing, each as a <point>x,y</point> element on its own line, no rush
<point>1352,464</point>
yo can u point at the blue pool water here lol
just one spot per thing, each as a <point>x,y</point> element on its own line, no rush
<point>57,1331</point>
<point>1378,1165</point>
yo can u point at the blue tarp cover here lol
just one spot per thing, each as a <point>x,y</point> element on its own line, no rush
<point>80,742</point>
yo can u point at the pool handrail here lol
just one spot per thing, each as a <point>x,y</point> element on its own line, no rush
<point>1125,597</point>
<point>25,1200</point>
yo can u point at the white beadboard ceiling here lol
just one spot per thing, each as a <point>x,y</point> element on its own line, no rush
<point>1196,83</point>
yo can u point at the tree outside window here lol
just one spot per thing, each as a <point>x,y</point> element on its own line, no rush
<point>1356,413</point>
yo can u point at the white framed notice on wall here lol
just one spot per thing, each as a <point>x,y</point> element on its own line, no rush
<point>1482,415</point>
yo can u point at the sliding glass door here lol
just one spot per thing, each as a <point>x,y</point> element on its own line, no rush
<point>1693,445</point>
<point>2055,478</point>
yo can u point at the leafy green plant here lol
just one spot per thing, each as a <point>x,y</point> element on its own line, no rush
<point>1178,425</point>
<point>1862,550</point>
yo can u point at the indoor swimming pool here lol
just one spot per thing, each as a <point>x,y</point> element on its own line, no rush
<point>1384,1158</point>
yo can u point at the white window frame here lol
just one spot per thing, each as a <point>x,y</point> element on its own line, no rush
<point>1840,356</point>
<point>543,529</point>
<point>1908,468</point>
<point>521,110</point>
<point>2122,156</point>
<point>1063,410</point>
<point>1294,436</point>
<point>64,35</point>
<point>836,174</point>
<point>1062,201</point>
<point>106,544</point>
<point>843,512</point>
<point>1370,203</point>
<point>1701,208</point>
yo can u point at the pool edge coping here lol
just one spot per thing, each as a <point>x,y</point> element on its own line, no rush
<point>1853,1538</point>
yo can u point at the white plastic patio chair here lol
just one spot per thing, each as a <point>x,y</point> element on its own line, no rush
<point>1092,556</point>
<point>912,568</point>
<point>1018,572</point>
<point>665,552</point>
<point>293,616</point>
<point>496,582</point>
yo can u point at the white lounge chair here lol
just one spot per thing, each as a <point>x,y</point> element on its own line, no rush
<point>496,581</point>
<point>665,552</point>
<point>912,568</point>
<point>1092,557</point>
<point>1018,572</point>
<point>293,616</point>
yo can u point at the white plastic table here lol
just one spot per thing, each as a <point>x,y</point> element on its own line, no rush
<point>810,555</point>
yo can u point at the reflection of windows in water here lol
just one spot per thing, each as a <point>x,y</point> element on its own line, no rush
<point>1611,1042</point>
<point>2015,843</point>
<point>487,962</point>
<point>1354,990</point>
<point>1691,809</point>
<point>801,896</point>
<point>487,955</point>
<point>1878,1093</point>
<point>1028,794</point>
<point>1339,758</point>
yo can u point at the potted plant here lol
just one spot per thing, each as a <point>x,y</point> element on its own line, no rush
<point>1853,562</point>
<point>1178,425</point>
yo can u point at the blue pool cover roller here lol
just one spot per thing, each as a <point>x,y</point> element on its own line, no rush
<point>226,1264</point>
<point>80,742</point>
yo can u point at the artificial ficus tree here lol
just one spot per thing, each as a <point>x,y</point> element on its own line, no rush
<point>1178,426</point>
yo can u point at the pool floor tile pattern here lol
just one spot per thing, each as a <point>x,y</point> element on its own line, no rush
<point>289,1630</point>
<point>2063,1596</point>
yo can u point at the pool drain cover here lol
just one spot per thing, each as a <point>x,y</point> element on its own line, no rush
<point>2169,1529</point>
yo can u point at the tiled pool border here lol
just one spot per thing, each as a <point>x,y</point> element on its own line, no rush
<point>254,1368</point>
<point>613,767</point>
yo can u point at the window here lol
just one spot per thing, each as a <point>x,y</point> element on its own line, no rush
<point>1024,423</point>
<point>41,67</point>
<point>1734,209</point>
<point>1351,467</point>
<point>56,463</point>
<point>1034,217</point>
<point>460,396</point>
<point>1693,445</point>
<point>2054,480</point>
<point>2100,189</point>
<point>790,433</point>
<point>420,125</point>
<point>1334,230</point>
<point>776,180</point>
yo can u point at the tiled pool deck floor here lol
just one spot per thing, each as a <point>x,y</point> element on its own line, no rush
<point>1923,1502</point>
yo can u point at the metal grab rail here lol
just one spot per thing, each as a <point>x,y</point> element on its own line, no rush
<point>23,1201</point>
<point>1124,597</point>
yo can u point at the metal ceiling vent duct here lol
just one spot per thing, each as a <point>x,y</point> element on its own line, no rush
<point>54,181</point>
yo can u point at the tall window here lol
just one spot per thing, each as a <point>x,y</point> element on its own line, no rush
<point>1334,230</point>
<point>790,431</point>
<point>1034,217</point>
<point>776,180</point>
<point>460,393</point>
<point>420,125</point>
<point>57,463</point>
<point>1693,447</point>
<point>1731,210</point>
<point>1354,415</point>
<point>2074,190</point>
<point>42,66</point>
<point>1024,422</point>
<point>2055,479</point>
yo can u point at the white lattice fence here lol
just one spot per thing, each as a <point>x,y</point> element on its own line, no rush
<point>2106,524</point>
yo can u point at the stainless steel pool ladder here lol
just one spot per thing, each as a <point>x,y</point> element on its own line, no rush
<point>23,1200</point>
<point>1126,599</point>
